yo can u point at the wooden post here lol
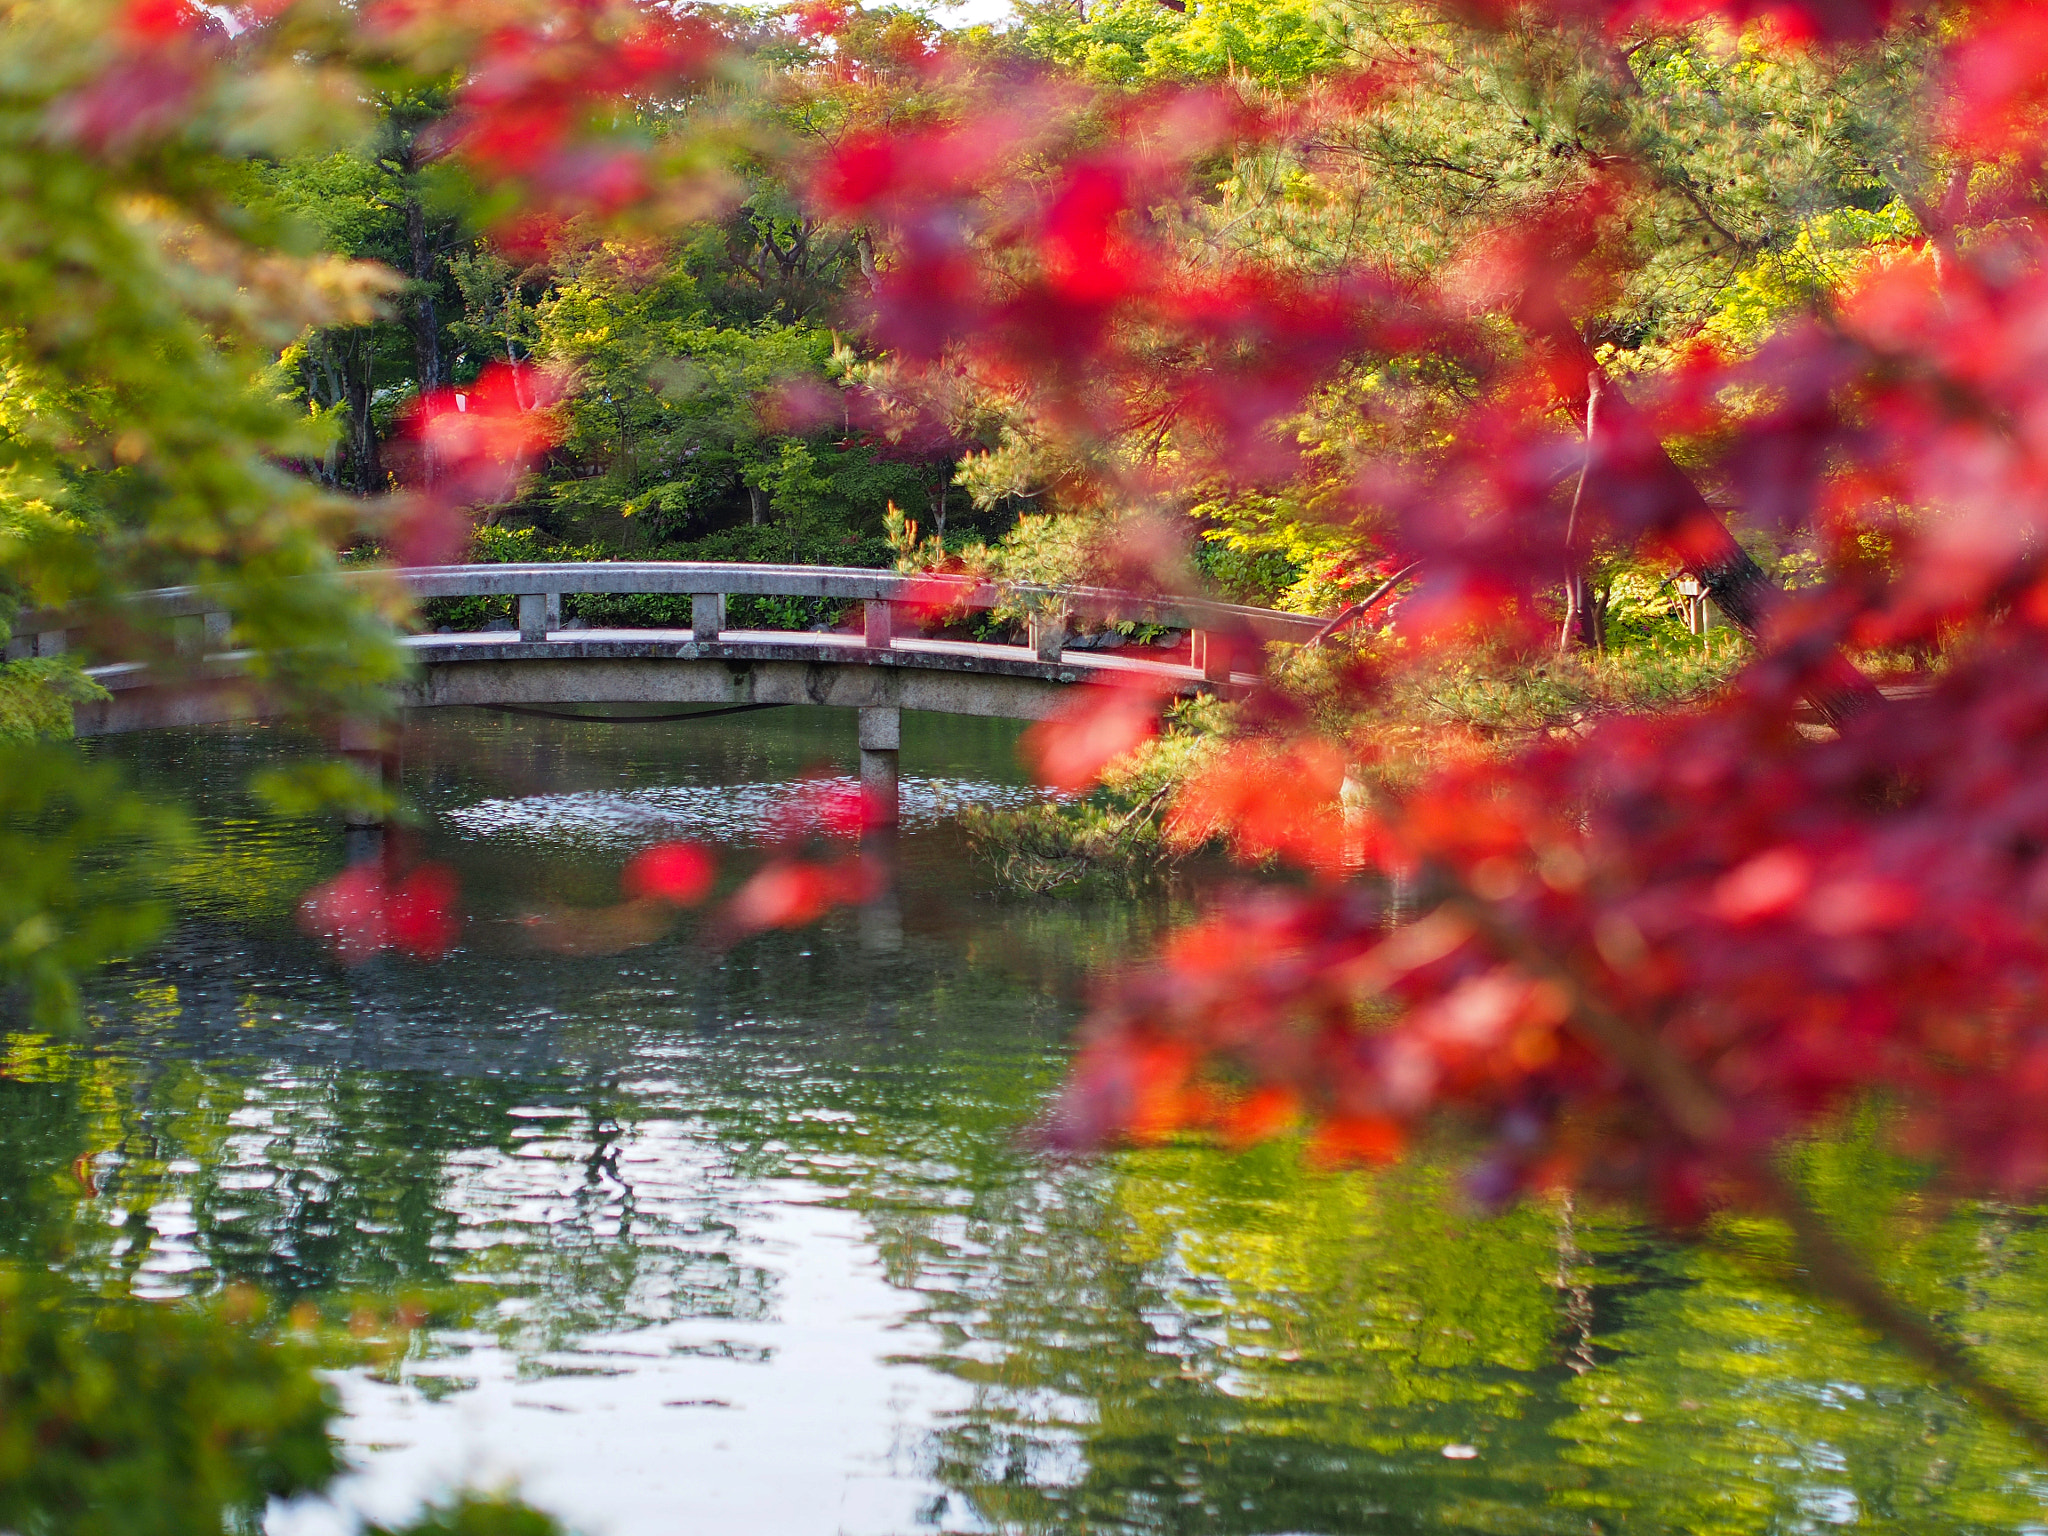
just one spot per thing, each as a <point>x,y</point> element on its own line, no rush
<point>707,615</point>
<point>881,744</point>
<point>878,629</point>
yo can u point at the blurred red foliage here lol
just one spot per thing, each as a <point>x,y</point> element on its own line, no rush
<point>538,113</point>
<point>790,891</point>
<point>677,873</point>
<point>466,445</point>
<point>1071,747</point>
<point>367,909</point>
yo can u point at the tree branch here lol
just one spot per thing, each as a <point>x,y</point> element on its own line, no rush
<point>1684,520</point>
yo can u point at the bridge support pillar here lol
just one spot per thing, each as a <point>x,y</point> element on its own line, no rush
<point>369,747</point>
<point>881,744</point>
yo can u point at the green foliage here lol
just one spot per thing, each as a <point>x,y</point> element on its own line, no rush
<point>36,696</point>
<point>128,1418</point>
<point>1827,252</point>
<point>1639,606</point>
<point>1126,42</point>
<point>675,409</point>
<point>1046,548</point>
<point>474,1515</point>
<point>1044,848</point>
<point>136,446</point>
<point>498,323</point>
<point>341,201</point>
<point>83,858</point>
<point>142,445</point>
<point>1112,838</point>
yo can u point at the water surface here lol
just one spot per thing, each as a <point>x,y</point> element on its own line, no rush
<point>748,1241</point>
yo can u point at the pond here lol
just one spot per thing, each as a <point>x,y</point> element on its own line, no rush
<point>751,1242</point>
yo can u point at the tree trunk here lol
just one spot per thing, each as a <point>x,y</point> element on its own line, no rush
<point>357,367</point>
<point>422,314</point>
<point>757,503</point>
<point>324,387</point>
<point>1581,628</point>
<point>1645,477</point>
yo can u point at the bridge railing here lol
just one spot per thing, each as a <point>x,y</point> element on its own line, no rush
<point>1221,631</point>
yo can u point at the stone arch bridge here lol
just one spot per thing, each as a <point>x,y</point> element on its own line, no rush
<point>544,665</point>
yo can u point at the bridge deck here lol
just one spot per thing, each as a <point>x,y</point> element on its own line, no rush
<point>782,644</point>
<point>667,667</point>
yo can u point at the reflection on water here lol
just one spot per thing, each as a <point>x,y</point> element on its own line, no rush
<point>747,1242</point>
<point>726,813</point>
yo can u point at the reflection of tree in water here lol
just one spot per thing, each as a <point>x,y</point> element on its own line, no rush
<point>1192,1343</point>
<point>372,1139</point>
<point>1184,1342</point>
<point>1734,1404</point>
<point>580,1141</point>
<point>1168,1341</point>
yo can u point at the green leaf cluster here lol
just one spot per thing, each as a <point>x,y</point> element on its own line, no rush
<point>125,1418</point>
<point>1128,42</point>
<point>84,858</point>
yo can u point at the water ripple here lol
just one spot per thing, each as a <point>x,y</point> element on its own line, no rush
<point>729,813</point>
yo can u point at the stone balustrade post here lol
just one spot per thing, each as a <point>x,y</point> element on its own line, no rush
<point>878,624</point>
<point>45,642</point>
<point>1215,653</point>
<point>1048,633</point>
<point>539,612</point>
<point>707,615</point>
